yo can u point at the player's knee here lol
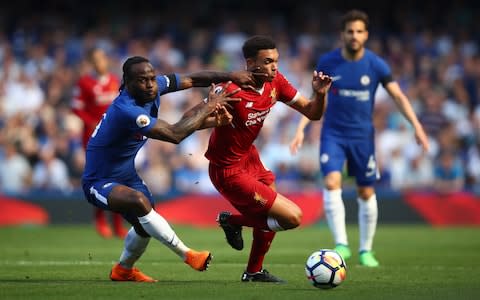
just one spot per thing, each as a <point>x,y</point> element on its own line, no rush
<point>140,202</point>
<point>365,193</point>
<point>294,219</point>
<point>332,183</point>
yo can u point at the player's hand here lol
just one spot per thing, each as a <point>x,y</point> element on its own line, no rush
<point>219,97</point>
<point>321,82</point>
<point>223,117</point>
<point>297,142</point>
<point>422,139</point>
<point>246,79</point>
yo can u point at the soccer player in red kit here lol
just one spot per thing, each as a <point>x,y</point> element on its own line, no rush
<point>235,168</point>
<point>93,94</point>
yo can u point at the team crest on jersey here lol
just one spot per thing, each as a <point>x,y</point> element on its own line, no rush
<point>365,80</point>
<point>143,121</point>
<point>273,95</point>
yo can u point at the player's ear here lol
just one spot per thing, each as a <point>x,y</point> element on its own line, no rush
<point>250,64</point>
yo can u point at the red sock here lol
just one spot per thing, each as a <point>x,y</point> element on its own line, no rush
<point>255,222</point>
<point>100,216</point>
<point>120,231</point>
<point>260,245</point>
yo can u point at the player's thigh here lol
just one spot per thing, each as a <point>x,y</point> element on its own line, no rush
<point>332,155</point>
<point>285,211</point>
<point>362,162</point>
<point>247,194</point>
<point>135,192</point>
<point>130,201</point>
<point>97,193</point>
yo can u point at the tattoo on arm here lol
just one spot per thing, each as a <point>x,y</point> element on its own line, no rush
<point>175,133</point>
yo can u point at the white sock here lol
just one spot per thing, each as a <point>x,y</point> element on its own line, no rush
<point>156,226</point>
<point>367,221</point>
<point>273,224</point>
<point>335,215</point>
<point>134,247</point>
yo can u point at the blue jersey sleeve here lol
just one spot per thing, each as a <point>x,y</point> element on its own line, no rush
<point>383,70</point>
<point>168,83</point>
<point>136,120</point>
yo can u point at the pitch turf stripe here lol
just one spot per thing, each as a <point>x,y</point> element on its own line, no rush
<point>99,263</point>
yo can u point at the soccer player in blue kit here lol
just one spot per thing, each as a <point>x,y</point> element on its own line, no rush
<point>110,180</point>
<point>348,132</point>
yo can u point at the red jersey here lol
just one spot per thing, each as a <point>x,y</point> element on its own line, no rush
<point>92,97</point>
<point>229,144</point>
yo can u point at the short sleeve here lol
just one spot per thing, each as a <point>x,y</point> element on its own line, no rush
<point>383,70</point>
<point>286,92</point>
<point>168,83</point>
<point>136,119</point>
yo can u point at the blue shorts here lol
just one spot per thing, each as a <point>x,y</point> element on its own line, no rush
<point>97,193</point>
<point>358,153</point>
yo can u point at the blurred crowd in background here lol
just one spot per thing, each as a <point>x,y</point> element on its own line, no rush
<point>433,49</point>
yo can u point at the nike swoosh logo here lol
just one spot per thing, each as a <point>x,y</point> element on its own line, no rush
<point>335,78</point>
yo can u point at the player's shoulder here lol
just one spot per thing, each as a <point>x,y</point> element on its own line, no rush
<point>113,77</point>
<point>123,102</point>
<point>372,56</point>
<point>378,63</point>
<point>85,80</point>
<point>331,55</point>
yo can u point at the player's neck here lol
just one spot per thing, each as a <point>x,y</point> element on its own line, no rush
<point>259,88</point>
<point>353,55</point>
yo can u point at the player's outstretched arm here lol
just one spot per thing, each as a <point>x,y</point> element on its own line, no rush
<point>244,79</point>
<point>314,108</point>
<point>297,141</point>
<point>192,119</point>
<point>406,109</point>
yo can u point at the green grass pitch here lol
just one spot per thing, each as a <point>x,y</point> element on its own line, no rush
<point>72,262</point>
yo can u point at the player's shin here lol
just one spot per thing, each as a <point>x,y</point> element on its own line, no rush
<point>335,215</point>
<point>156,226</point>
<point>260,245</point>
<point>367,221</point>
<point>134,246</point>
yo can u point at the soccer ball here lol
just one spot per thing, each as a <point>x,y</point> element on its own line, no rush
<point>325,269</point>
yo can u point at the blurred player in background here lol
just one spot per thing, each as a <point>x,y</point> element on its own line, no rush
<point>235,167</point>
<point>110,180</point>
<point>93,94</point>
<point>348,132</point>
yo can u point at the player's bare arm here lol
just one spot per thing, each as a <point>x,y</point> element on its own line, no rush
<point>314,108</point>
<point>297,140</point>
<point>406,109</point>
<point>244,79</point>
<point>194,118</point>
<point>218,118</point>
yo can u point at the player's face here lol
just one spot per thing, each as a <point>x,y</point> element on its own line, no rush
<point>143,83</point>
<point>266,62</point>
<point>100,61</point>
<point>354,36</point>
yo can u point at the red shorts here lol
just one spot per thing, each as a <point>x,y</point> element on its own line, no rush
<point>246,185</point>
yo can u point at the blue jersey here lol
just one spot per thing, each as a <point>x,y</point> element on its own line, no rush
<point>112,148</point>
<point>351,96</point>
